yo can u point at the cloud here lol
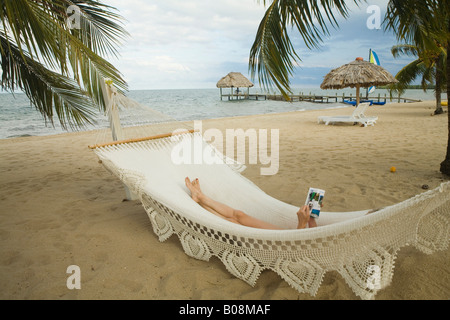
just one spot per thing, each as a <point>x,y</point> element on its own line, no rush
<point>191,37</point>
<point>182,44</point>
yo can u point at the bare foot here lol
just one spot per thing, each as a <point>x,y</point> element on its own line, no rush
<point>303,217</point>
<point>194,187</point>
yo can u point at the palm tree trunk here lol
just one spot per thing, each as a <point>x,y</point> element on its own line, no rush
<point>445,165</point>
<point>439,71</point>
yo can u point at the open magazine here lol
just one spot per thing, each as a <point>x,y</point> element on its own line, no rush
<point>314,201</point>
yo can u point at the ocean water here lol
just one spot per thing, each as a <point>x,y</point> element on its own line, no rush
<point>18,118</point>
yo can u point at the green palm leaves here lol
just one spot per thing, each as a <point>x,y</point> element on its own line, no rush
<point>58,67</point>
<point>429,65</point>
<point>273,56</point>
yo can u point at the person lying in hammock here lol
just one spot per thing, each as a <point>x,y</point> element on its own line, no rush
<point>239,217</point>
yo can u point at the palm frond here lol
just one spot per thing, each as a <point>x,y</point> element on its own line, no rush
<point>272,56</point>
<point>413,21</point>
<point>404,49</point>
<point>39,31</point>
<point>79,45</point>
<point>23,27</point>
<point>99,27</point>
<point>48,91</point>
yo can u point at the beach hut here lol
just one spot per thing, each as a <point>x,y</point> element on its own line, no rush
<point>234,80</point>
<point>358,73</point>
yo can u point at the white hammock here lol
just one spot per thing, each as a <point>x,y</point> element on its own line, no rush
<point>361,247</point>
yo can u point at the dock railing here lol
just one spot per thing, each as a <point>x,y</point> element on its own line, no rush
<point>314,98</point>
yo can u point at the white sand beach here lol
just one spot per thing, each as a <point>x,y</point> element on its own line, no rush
<point>60,207</point>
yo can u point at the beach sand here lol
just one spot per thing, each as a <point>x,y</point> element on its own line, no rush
<point>60,207</point>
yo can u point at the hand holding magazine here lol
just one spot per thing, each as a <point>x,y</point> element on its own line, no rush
<point>314,201</point>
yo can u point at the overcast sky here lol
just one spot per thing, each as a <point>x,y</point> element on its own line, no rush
<point>187,44</point>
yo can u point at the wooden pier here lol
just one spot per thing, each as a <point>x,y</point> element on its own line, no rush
<point>314,98</point>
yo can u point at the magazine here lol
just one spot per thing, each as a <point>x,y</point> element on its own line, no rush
<point>314,201</point>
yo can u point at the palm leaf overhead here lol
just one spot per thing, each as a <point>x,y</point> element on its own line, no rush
<point>422,66</point>
<point>44,87</point>
<point>273,56</point>
<point>411,20</point>
<point>429,65</point>
<point>404,49</point>
<point>424,23</point>
<point>36,36</point>
<point>408,74</point>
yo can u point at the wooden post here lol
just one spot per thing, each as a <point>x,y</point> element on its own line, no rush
<point>357,95</point>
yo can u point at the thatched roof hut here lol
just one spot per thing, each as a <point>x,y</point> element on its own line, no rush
<point>234,80</point>
<point>358,73</point>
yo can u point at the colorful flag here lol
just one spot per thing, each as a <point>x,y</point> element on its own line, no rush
<point>373,58</point>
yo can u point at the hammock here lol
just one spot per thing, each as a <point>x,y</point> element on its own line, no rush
<point>361,246</point>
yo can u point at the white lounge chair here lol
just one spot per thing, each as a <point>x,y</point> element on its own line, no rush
<point>357,116</point>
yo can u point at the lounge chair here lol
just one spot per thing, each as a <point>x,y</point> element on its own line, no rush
<point>357,116</point>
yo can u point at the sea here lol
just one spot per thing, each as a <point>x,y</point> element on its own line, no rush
<point>18,118</point>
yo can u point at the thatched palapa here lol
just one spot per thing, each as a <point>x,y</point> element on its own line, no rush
<point>358,73</point>
<point>234,80</point>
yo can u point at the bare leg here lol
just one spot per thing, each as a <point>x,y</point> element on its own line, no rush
<point>237,216</point>
<point>197,194</point>
<point>224,211</point>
